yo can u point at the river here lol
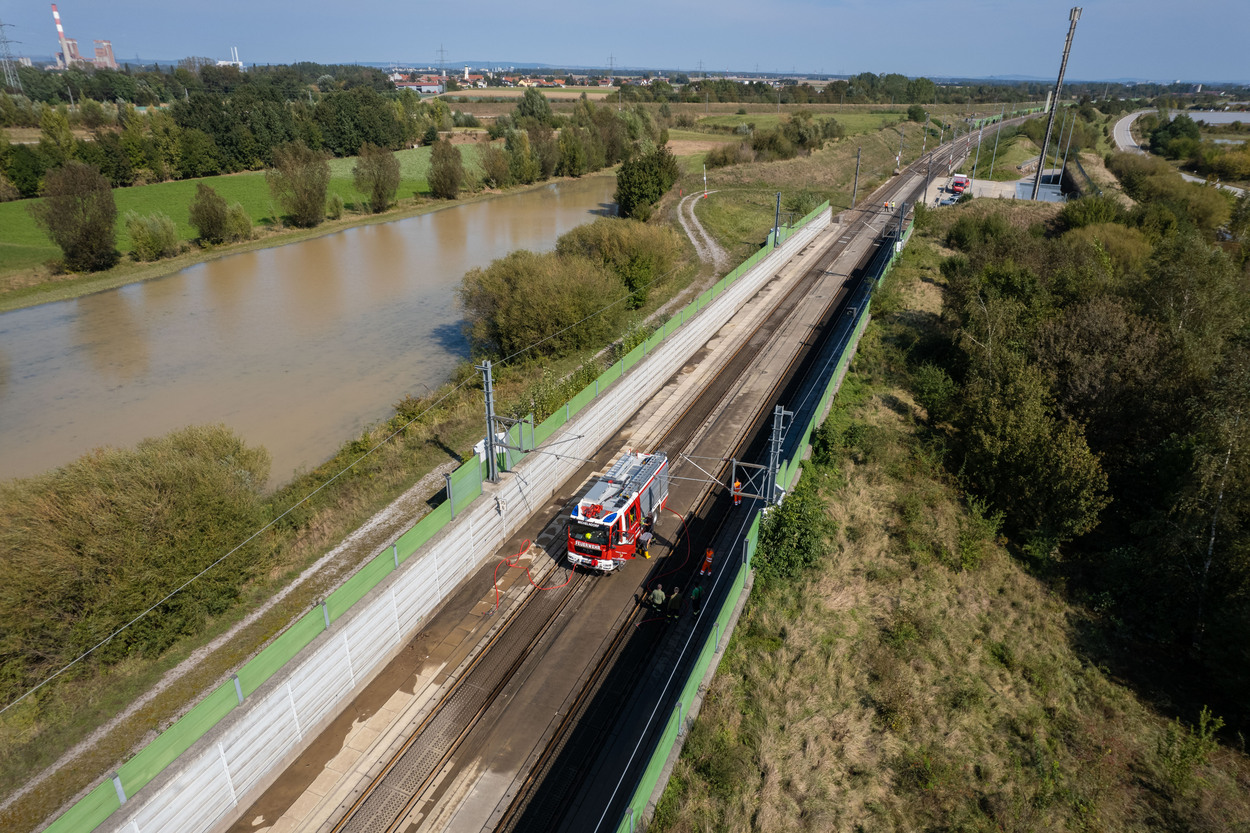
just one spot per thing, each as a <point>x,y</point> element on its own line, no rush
<point>295,347</point>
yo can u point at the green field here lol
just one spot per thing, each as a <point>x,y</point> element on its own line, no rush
<point>23,245</point>
<point>853,123</point>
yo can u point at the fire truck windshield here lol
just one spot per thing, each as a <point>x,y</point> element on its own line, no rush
<point>593,534</point>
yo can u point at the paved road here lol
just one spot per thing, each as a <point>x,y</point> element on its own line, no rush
<point>1124,141</point>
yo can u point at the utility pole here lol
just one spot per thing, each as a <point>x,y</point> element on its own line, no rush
<point>1064,165</point>
<point>976,160</point>
<point>492,459</point>
<point>774,452</point>
<point>777,222</point>
<point>997,134</point>
<point>898,157</point>
<point>1073,16</point>
<point>855,190</point>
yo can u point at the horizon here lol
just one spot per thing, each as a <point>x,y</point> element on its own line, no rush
<point>1115,39</point>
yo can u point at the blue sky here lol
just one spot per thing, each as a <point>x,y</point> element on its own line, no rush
<point>1149,39</point>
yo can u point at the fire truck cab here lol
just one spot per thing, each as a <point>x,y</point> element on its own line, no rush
<point>605,524</point>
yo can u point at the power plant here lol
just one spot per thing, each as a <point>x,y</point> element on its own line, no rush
<point>69,56</point>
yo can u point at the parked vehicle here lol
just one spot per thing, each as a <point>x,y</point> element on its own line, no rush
<point>605,524</point>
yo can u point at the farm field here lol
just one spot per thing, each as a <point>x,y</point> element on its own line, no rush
<point>23,245</point>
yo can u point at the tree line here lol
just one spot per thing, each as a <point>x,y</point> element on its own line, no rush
<point>1180,138</point>
<point>1092,386</point>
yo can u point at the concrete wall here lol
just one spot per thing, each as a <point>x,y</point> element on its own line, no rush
<point>228,767</point>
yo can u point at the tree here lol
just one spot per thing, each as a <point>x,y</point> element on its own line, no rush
<point>376,174</point>
<point>209,214</point>
<point>523,164</point>
<point>534,105</point>
<point>446,170</point>
<point>79,214</point>
<point>642,181</point>
<point>916,113</point>
<point>298,180</point>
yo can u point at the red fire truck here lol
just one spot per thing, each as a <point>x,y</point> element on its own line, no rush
<point>605,524</point>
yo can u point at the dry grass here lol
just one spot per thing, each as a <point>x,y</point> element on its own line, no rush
<point>907,686</point>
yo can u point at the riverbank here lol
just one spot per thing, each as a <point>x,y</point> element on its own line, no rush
<point>28,288</point>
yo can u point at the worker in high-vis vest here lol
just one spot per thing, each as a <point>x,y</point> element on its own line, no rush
<point>737,493</point>
<point>707,563</point>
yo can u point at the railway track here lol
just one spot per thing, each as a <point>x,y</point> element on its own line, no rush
<point>416,772</point>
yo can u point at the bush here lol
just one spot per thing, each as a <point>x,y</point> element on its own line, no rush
<point>79,214</point>
<point>643,180</point>
<point>334,207</point>
<point>299,179</point>
<point>446,170</point>
<point>152,237</point>
<point>89,546</point>
<point>210,215</point>
<point>793,535</point>
<point>528,299</point>
<point>639,255</point>
<point>238,223</point>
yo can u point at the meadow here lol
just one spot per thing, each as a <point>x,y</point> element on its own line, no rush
<point>24,246</point>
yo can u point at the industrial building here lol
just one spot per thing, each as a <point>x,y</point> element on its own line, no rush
<point>69,55</point>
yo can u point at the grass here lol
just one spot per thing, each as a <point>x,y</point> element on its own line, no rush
<point>854,123</point>
<point>740,214</point>
<point>24,246</point>
<point>922,679</point>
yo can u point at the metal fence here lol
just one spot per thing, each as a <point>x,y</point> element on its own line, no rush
<point>674,728</point>
<point>466,485</point>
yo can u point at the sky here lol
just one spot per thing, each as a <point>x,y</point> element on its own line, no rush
<point>1199,40</point>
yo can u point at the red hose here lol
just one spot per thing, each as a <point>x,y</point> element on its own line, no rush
<point>511,561</point>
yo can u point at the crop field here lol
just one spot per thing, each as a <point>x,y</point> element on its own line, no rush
<point>854,123</point>
<point>23,245</point>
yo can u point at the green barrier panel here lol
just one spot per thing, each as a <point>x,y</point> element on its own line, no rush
<point>277,653</point>
<point>671,326</point>
<point>651,776</point>
<point>355,588</point>
<point>611,375</point>
<point>656,339</point>
<point>549,426</point>
<point>632,357</point>
<point>426,528</point>
<point>466,482</point>
<point>690,311</point>
<point>89,812</point>
<point>584,398</point>
<point>705,299</point>
<point>160,753</point>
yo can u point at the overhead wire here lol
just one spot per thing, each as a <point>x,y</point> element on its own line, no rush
<point>307,497</point>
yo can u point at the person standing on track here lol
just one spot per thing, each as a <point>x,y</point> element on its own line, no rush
<point>674,604</point>
<point>737,493</point>
<point>696,598</point>
<point>644,541</point>
<point>707,563</point>
<point>657,599</point>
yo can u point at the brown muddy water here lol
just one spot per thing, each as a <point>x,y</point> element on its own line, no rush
<point>296,347</point>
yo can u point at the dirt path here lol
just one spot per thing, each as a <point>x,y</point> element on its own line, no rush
<point>708,249</point>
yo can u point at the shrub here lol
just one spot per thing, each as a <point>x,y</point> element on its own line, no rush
<point>446,170</point>
<point>528,299</point>
<point>87,547</point>
<point>643,180</point>
<point>637,254</point>
<point>238,223</point>
<point>153,237</point>
<point>334,207</point>
<point>299,179</point>
<point>376,174</point>
<point>210,215</point>
<point>78,213</point>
